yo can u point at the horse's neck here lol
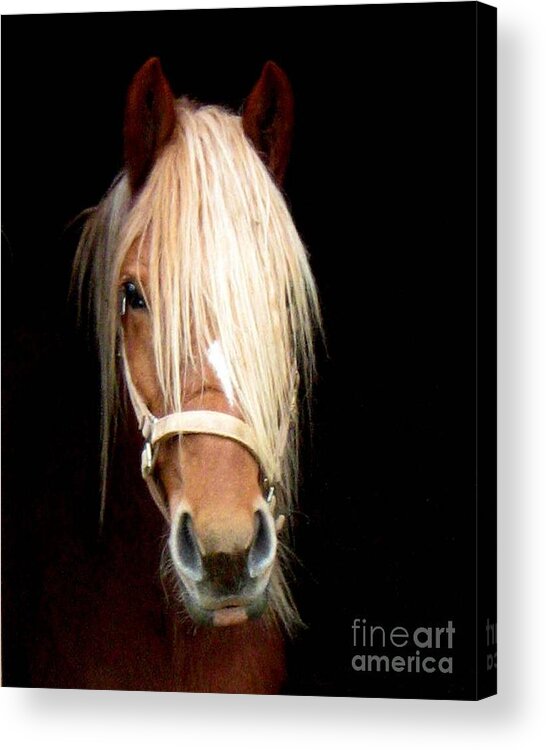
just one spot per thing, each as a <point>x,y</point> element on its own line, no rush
<point>247,658</point>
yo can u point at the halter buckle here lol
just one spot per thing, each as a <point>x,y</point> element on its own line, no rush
<point>146,426</point>
<point>147,459</point>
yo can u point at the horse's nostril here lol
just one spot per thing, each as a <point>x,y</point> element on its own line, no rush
<point>262,549</point>
<point>187,549</point>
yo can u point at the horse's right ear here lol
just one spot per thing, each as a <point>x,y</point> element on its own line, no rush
<point>149,121</point>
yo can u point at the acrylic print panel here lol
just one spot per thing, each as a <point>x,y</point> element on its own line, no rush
<point>390,550</point>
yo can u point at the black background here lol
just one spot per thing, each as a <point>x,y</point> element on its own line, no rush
<point>382,186</point>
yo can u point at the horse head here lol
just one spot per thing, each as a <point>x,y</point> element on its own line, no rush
<point>204,296</point>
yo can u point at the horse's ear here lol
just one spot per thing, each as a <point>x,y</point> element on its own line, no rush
<point>268,118</point>
<point>149,121</point>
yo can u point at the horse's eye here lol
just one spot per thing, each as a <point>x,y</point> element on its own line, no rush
<point>133,296</point>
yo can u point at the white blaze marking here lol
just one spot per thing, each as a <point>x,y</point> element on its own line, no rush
<point>217,360</point>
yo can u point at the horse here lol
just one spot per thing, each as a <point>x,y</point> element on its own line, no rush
<point>205,313</point>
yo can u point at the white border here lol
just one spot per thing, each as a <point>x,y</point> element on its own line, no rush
<point>59,719</point>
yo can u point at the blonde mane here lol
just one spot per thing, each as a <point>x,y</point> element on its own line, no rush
<point>225,264</point>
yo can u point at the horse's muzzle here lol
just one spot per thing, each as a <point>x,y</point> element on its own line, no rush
<point>223,588</point>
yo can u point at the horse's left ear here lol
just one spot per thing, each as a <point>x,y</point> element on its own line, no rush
<point>149,123</point>
<point>268,118</point>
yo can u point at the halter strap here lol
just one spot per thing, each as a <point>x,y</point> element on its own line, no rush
<point>201,421</point>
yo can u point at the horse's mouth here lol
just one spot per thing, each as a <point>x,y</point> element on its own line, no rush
<point>225,614</point>
<point>229,616</point>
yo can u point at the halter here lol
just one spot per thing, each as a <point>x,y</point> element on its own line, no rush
<point>155,429</point>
